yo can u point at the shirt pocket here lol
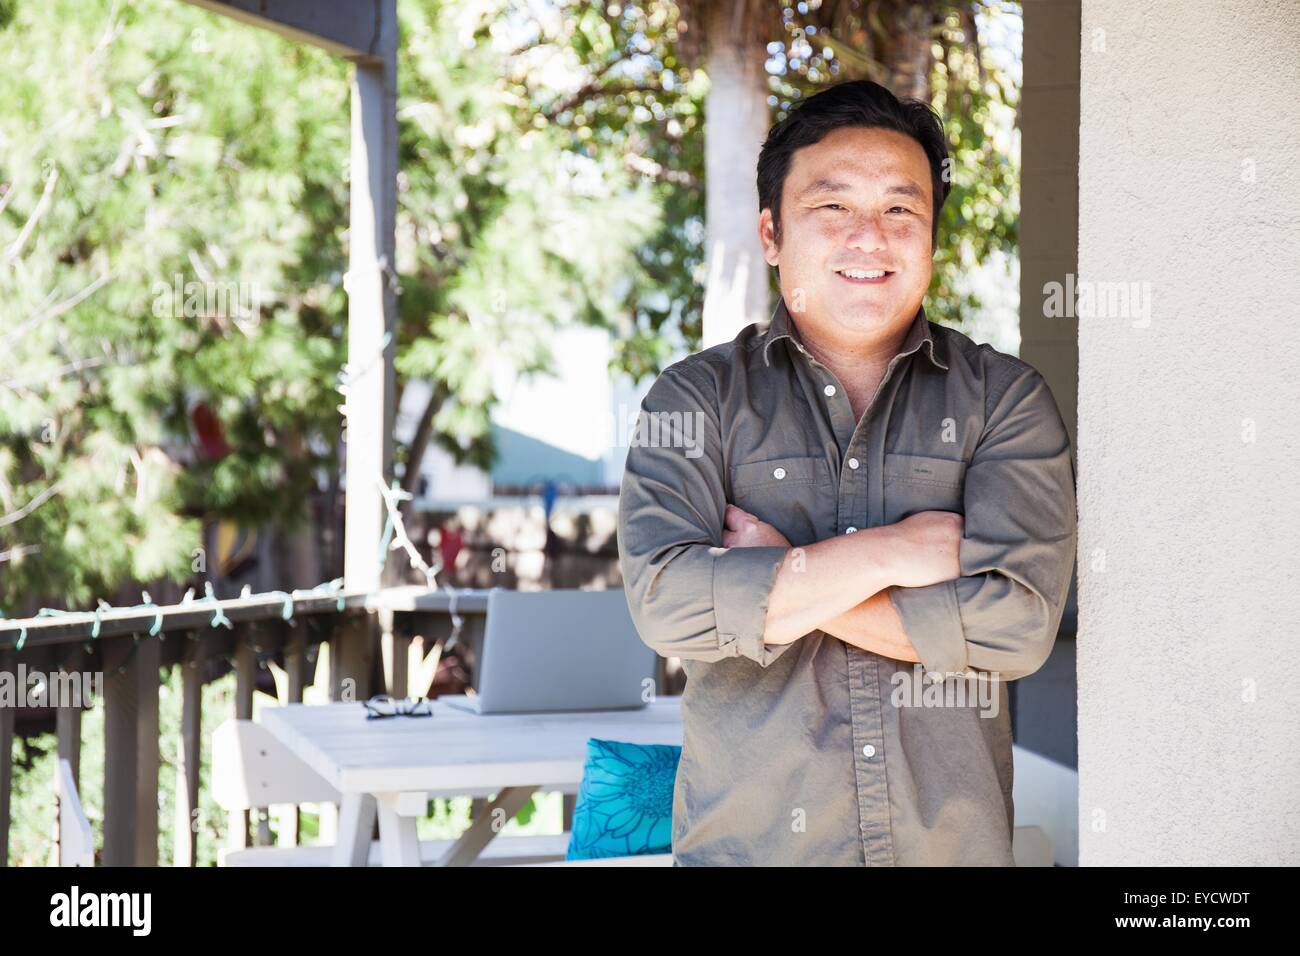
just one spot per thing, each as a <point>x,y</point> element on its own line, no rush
<point>916,483</point>
<point>793,494</point>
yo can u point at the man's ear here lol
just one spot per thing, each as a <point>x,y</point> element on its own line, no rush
<point>767,236</point>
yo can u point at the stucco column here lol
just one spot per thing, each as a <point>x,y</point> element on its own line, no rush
<point>1189,433</point>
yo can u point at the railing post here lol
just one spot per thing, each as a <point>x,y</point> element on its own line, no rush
<point>395,643</point>
<point>352,656</point>
<point>295,659</point>
<point>148,656</point>
<point>67,732</point>
<point>68,719</point>
<point>185,836</point>
<point>6,758</point>
<point>121,767</point>
<point>295,665</point>
<point>326,672</point>
<point>245,673</point>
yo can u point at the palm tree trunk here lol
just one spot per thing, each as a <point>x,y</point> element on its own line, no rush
<point>908,54</point>
<point>736,123</point>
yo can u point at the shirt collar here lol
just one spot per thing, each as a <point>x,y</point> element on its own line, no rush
<point>781,326</point>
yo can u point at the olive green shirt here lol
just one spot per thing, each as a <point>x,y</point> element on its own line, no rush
<point>817,752</point>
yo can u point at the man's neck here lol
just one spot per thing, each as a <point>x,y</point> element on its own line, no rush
<point>859,364</point>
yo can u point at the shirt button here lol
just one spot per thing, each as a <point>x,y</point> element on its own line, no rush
<point>829,390</point>
<point>853,463</point>
<point>850,529</point>
<point>778,474</point>
<point>868,751</point>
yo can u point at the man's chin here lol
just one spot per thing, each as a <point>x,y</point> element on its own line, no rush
<point>867,312</point>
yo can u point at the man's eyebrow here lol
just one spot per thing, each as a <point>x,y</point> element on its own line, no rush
<point>906,189</point>
<point>825,186</point>
<point>833,186</point>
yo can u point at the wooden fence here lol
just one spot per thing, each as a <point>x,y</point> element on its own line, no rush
<point>368,635</point>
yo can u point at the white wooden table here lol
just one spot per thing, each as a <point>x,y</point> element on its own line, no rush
<point>394,766</point>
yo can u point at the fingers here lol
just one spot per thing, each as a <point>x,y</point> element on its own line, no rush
<point>735,521</point>
<point>736,518</point>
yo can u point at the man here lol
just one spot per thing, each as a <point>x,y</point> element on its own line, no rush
<point>836,504</point>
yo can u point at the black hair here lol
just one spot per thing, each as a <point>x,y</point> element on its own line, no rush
<point>853,103</point>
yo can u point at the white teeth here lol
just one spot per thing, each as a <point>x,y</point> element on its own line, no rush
<point>859,274</point>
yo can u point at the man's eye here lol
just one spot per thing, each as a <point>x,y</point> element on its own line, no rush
<point>833,205</point>
<point>899,209</point>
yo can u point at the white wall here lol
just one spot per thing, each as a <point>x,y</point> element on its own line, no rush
<point>577,409</point>
<point>563,409</point>
<point>1189,434</point>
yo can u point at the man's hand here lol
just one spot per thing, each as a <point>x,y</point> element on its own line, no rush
<point>925,548</point>
<point>744,530</point>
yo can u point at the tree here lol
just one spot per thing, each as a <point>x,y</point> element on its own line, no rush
<point>172,234</point>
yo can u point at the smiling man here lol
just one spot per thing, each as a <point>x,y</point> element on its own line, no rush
<point>873,498</point>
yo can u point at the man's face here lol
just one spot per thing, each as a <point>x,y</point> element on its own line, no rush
<point>860,200</point>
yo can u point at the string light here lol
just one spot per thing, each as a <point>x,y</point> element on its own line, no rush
<point>395,530</point>
<point>394,538</point>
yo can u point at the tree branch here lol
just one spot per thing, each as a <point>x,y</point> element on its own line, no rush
<point>77,366</point>
<point>56,310</point>
<point>42,205</point>
<point>423,436</point>
<point>19,551</point>
<point>15,516</point>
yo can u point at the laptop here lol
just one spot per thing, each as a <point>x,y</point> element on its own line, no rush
<point>555,651</point>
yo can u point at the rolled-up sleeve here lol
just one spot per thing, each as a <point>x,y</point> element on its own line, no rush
<point>1018,544</point>
<point>689,597</point>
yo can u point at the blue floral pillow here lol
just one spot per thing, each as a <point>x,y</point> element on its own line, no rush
<point>625,801</point>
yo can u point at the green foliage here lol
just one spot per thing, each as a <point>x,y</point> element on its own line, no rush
<point>510,225</point>
<point>982,214</point>
<point>551,172</point>
<point>146,149</point>
<point>638,101</point>
<point>172,233</point>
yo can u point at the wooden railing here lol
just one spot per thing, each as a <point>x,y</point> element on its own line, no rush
<point>368,635</point>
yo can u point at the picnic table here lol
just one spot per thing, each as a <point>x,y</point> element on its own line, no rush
<point>393,767</point>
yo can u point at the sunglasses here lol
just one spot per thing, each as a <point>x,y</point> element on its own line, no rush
<point>384,705</point>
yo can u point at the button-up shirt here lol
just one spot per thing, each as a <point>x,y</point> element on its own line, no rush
<point>816,751</point>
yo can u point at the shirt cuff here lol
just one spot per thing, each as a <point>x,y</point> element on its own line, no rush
<point>742,585</point>
<point>931,618</point>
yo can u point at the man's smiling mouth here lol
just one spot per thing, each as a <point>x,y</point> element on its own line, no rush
<point>864,276</point>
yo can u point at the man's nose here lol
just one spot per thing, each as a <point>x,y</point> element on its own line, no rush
<point>866,234</point>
